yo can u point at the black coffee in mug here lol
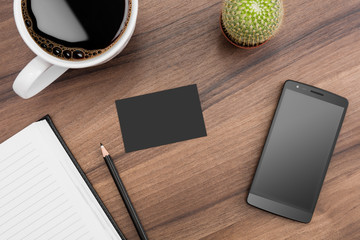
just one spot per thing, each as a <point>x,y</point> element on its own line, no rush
<point>76,29</point>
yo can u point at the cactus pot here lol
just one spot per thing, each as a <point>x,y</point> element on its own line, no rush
<point>234,43</point>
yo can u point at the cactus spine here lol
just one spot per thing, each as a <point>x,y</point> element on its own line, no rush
<point>251,22</point>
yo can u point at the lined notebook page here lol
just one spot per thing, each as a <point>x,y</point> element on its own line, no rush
<point>42,195</point>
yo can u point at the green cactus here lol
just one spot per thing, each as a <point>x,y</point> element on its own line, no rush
<point>251,22</point>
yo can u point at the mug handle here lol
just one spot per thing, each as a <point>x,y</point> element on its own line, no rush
<point>37,75</point>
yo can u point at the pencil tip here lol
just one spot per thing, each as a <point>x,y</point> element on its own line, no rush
<point>103,150</point>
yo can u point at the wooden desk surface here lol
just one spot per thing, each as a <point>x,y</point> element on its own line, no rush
<point>197,188</point>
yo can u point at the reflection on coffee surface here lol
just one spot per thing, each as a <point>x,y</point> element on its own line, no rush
<point>76,29</point>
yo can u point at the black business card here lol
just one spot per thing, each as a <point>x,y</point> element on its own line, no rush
<point>161,118</point>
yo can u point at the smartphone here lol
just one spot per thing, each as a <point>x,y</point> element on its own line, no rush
<point>297,151</point>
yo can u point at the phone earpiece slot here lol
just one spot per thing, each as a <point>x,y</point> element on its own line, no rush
<point>317,93</point>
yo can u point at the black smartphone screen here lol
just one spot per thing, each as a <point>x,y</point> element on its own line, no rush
<point>298,148</point>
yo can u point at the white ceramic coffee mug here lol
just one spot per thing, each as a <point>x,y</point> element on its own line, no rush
<point>45,68</point>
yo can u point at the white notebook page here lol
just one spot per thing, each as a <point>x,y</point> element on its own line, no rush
<point>42,194</point>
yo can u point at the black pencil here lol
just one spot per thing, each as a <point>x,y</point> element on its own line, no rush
<point>120,186</point>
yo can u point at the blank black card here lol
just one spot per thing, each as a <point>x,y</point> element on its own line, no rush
<point>161,118</point>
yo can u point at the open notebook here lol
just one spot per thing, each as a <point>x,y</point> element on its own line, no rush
<point>44,194</point>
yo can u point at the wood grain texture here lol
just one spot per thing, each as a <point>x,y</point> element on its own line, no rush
<point>196,189</point>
